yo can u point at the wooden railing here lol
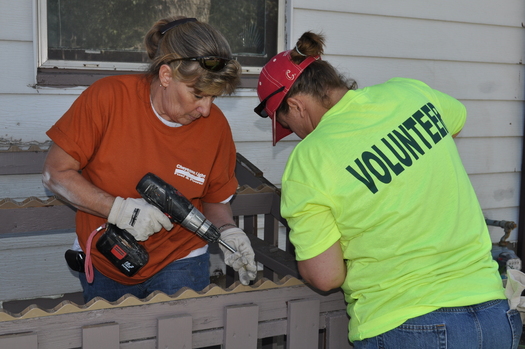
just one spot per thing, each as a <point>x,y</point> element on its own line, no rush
<point>277,310</point>
<point>244,317</point>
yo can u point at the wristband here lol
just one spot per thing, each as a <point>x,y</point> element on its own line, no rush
<point>226,225</point>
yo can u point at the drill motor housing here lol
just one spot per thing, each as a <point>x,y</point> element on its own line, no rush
<point>177,207</point>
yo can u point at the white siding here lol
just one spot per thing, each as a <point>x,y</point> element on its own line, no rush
<point>481,11</point>
<point>16,21</point>
<point>472,50</point>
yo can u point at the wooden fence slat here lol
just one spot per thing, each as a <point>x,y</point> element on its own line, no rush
<point>241,325</point>
<point>175,332</point>
<point>337,331</point>
<point>101,336</point>
<point>26,340</point>
<point>31,219</point>
<point>303,324</point>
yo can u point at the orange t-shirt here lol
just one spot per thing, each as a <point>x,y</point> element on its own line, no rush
<point>112,130</point>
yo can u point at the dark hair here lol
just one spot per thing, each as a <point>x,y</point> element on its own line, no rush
<point>192,39</point>
<point>319,77</point>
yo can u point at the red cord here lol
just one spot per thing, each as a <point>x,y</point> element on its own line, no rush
<point>88,265</point>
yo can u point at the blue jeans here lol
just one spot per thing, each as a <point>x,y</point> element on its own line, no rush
<point>190,272</point>
<point>489,325</point>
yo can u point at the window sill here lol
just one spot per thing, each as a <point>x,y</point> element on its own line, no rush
<point>62,78</point>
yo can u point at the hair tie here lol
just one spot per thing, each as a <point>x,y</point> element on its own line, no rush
<point>173,24</point>
<point>299,52</point>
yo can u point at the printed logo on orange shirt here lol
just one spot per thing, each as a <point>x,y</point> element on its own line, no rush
<point>189,174</point>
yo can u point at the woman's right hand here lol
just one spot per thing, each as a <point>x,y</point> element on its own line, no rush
<point>138,217</point>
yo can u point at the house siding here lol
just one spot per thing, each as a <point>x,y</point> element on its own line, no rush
<point>471,50</point>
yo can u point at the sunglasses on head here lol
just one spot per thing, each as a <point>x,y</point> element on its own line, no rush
<point>260,109</point>
<point>211,63</point>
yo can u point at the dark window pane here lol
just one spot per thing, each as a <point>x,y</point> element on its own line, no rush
<point>113,30</point>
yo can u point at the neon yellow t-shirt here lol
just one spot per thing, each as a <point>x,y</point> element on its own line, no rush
<point>382,175</point>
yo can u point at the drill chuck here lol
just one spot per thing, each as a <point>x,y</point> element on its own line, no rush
<point>197,223</point>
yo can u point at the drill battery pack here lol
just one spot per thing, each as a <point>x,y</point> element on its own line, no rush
<point>121,249</point>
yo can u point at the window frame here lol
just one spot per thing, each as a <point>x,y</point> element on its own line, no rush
<point>59,73</point>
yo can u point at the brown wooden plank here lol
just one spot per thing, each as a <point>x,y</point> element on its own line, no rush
<point>21,162</point>
<point>101,336</point>
<point>175,332</point>
<point>281,262</point>
<point>241,326</point>
<point>337,331</point>
<point>249,174</point>
<point>19,341</point>
<point>36,219</point>
<point>244,204</point>
<point>303,324</point>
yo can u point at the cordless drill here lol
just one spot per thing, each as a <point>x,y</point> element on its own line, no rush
<point>121,248</point>
<point>178,208</point>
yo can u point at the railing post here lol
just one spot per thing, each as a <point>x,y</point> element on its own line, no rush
<point>101,336</point>
<point>271,236</point>
<point>175,332</point>
<point>337,331</point>
<point>241,326</point>
<point>303,324</point>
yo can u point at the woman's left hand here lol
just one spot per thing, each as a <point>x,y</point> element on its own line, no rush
<point>242,261</point>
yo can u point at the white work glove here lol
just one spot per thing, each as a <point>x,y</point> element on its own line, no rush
<point>138,217</point>
<point>242,261</point>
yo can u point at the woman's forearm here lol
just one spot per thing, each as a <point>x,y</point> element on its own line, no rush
<point>217,213</point>
<point>61,176</point>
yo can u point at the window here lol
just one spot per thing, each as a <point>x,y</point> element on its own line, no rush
<point>92,38</point>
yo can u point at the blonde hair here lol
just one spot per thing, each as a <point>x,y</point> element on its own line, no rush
<point>192,39</point>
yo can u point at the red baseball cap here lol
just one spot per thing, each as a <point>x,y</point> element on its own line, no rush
<point>275,80</point>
